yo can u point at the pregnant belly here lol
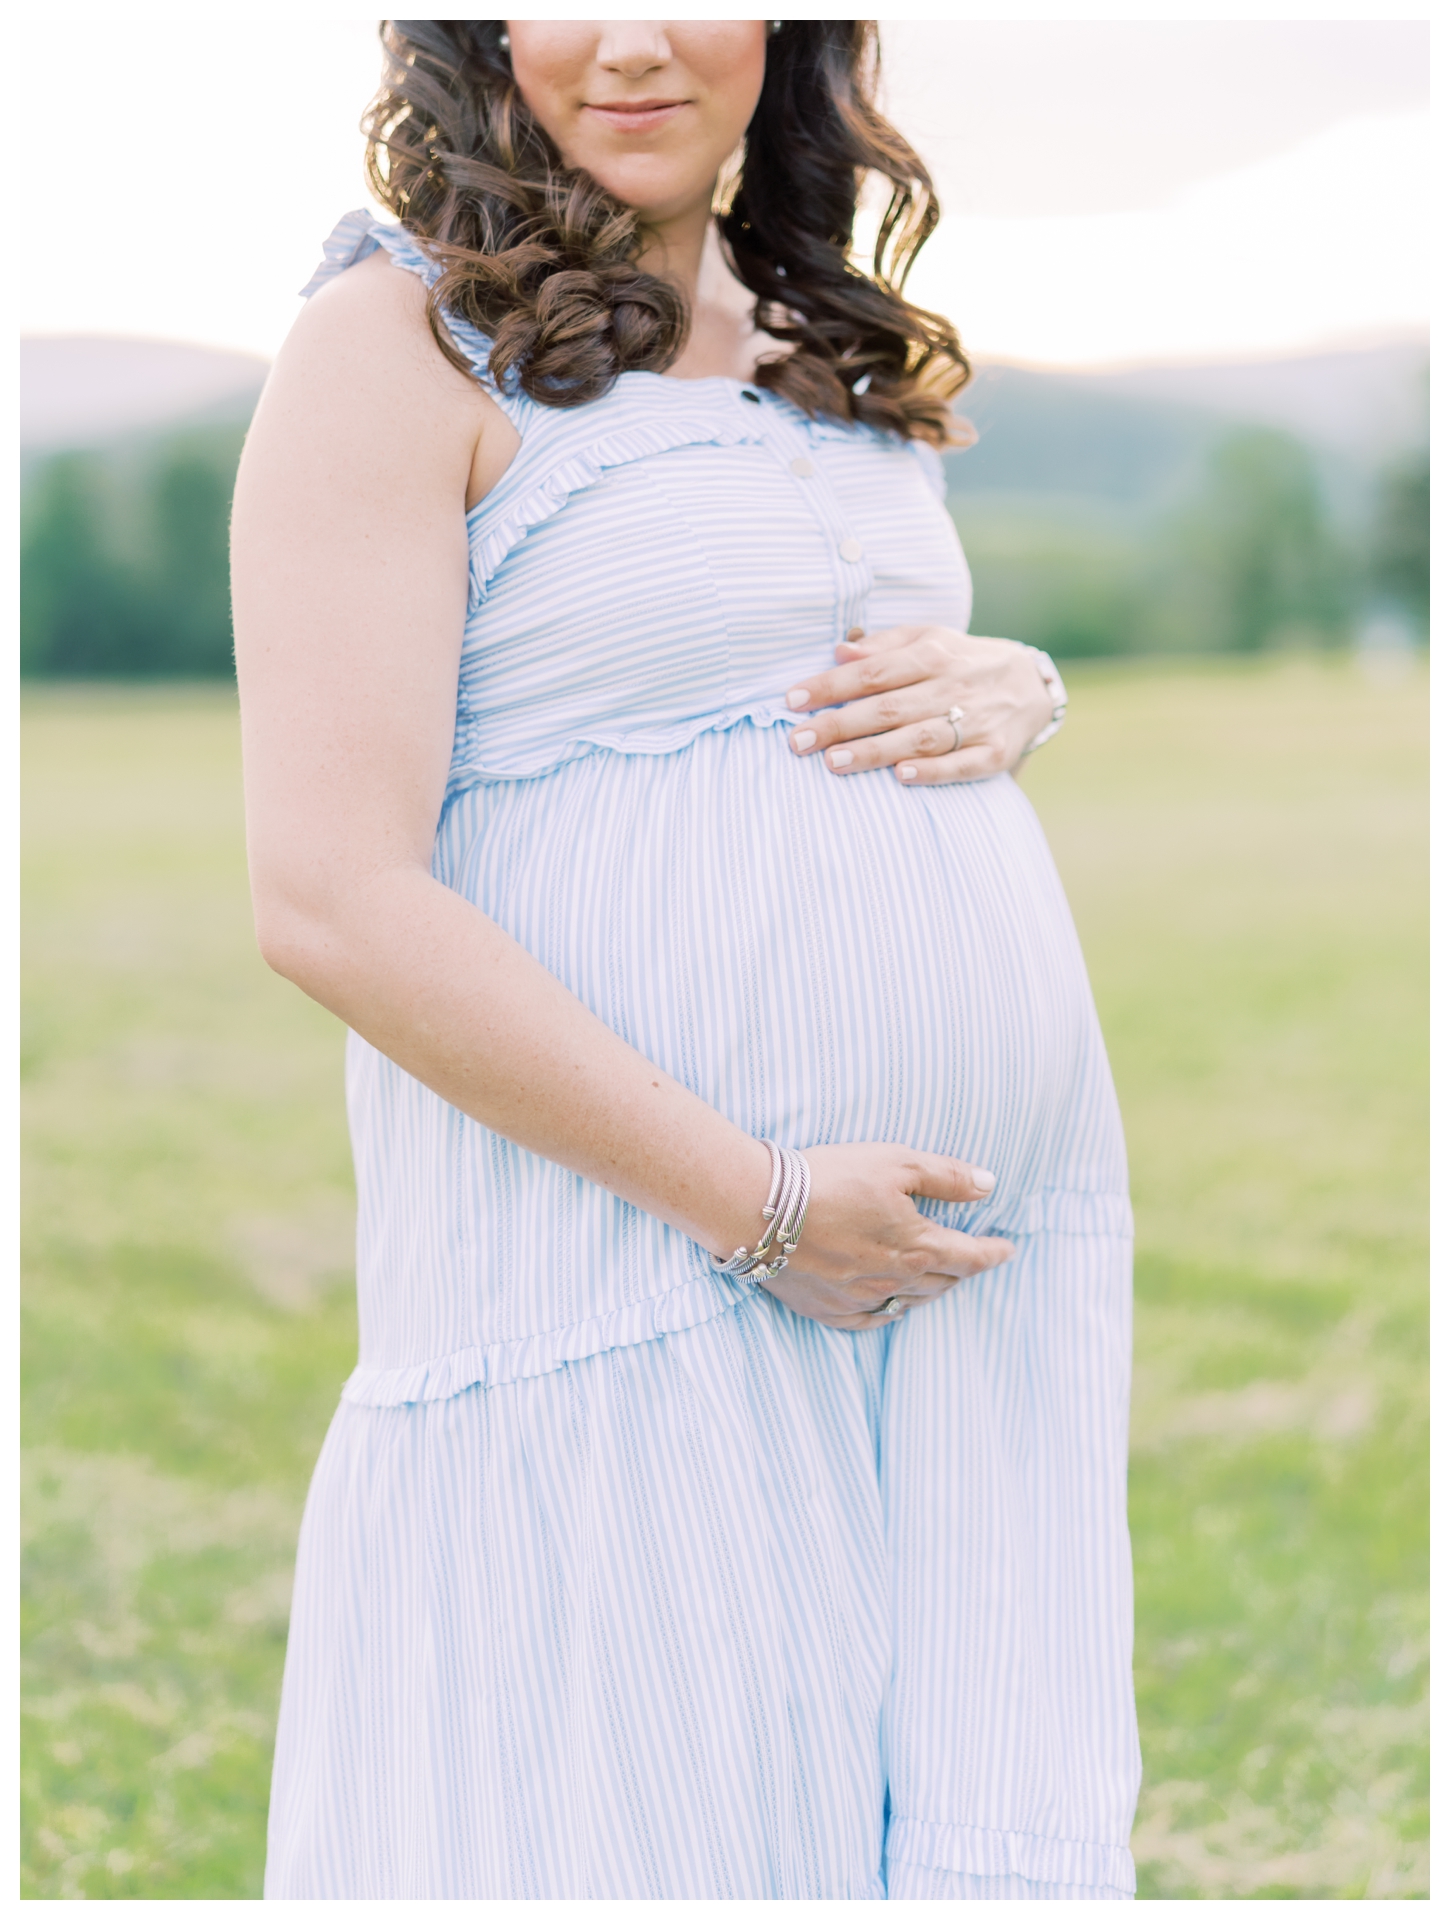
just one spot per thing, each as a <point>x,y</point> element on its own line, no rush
<point>821,959</point>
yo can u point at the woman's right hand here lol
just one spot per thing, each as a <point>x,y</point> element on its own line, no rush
<point>865,1240</point>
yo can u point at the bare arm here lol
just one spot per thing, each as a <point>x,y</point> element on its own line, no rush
<point>350,585</point>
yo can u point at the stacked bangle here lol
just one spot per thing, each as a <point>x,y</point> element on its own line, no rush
<point>784,1214</point>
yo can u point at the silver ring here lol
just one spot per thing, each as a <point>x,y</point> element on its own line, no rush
<point>888,1307</point>
<point>954,719</point>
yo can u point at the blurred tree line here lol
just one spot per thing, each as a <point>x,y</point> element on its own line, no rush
<point>1251,559</point>
<point>124,560</point>
<point>1400,571</point>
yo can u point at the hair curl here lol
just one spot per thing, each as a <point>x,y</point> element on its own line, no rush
<point>542,259</point>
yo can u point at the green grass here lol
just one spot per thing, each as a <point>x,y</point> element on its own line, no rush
<point>1245,848</point>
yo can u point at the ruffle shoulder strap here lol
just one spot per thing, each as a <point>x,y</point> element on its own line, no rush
<point>361,233</point>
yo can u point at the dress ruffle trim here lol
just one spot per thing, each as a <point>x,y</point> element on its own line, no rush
<point>993,1854</point>
<point>352,239</point>
<point>690,1305</point>
<point>474,768</point>
<point>525,498</point>
<point>361,233</point>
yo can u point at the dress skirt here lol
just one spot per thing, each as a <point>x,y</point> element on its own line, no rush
<point>758,1609</point>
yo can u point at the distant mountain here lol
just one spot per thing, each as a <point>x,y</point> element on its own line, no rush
<point>1373,402</point>
<point>83,390</point>
<point>1042,434</point>
<point>1135,441</point>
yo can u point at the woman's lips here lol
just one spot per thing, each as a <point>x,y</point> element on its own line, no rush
<point>638,116</point>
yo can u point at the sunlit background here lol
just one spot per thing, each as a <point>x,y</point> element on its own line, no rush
<point>1191,262</point>
<point>1113,192</point>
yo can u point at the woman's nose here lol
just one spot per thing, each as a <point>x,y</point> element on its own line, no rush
<point>633,48</point>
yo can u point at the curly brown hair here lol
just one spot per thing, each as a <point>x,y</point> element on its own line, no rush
<point>540,258</point>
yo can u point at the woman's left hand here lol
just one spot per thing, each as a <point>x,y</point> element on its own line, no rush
<point>891,694</point>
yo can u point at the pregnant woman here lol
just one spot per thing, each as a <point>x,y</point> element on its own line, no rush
<point>729,1500</point>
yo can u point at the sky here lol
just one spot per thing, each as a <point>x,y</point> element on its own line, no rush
<point>1115,193</point>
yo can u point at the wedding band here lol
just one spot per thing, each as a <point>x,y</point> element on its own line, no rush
<point>888,1307</point>
<point>954,720</point>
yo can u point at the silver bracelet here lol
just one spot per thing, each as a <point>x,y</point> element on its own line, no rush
<point>1052,680</point>
<point>784,1214</point>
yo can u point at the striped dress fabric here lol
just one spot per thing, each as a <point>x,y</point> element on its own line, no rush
<point>615,1580</point>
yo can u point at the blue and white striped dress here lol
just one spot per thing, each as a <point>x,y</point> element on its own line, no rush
<point>614,1581</point>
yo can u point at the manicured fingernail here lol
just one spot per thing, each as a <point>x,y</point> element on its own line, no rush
<point>907,772</point>
<point>840,756</point>
<point>856,633</point>
<point>986,1181</point>
<point>797,697</point>
<point>802,740</point>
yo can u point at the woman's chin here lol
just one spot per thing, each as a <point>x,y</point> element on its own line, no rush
<point>658,190</point>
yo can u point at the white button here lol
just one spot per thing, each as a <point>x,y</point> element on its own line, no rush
<point>851,549</point>
<point>802,469</point>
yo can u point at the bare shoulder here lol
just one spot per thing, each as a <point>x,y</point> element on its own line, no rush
<point>371,322</point>
<point>360,373</point>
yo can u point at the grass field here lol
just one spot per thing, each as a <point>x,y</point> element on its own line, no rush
<point>1245,849</point>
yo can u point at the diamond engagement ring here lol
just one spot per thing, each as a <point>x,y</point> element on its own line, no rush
<point>954,720</point>
<point>888,1307</point>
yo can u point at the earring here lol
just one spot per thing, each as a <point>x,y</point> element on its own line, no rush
<point>775,27</point>
<point>503,41</point>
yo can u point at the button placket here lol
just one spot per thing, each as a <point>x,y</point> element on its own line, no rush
<point>855,575</point>
<point>851,568</point>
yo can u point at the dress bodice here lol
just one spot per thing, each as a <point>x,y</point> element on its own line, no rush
<point>718,543</point>
<point>652,574</point>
